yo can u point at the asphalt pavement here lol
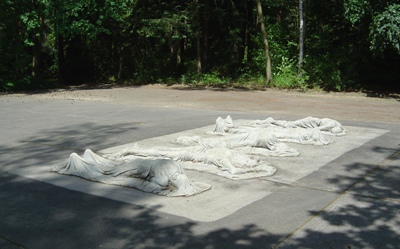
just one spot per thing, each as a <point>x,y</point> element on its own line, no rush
<point>351,200</point>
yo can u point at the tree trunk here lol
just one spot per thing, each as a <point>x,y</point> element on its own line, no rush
<point>121,63</point>
<point>60,57</point>
<point>301,40</point>
<point>178,55</point>
<point>268,73</point>
<point>198,39</point>
<point>59,43</point>
<point>249,32</point>
<point>242,45</point>
<point>37,43</point>
<point>199,65</point>
<point>205,34</point>
<point>36,56</point>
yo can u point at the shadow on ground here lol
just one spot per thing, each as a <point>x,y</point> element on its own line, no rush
<point>55,144</point>
<point>34,214</point>
<point>365,215</point>
<point>38,215</point>
<point>358,223</point>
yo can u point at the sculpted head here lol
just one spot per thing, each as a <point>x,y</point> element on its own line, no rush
<point>181,183</point>
<point>337,130</point>
<point>241,160</point>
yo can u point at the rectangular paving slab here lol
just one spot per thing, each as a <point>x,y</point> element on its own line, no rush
<point>226,195</point>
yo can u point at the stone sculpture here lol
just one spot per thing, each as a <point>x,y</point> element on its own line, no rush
<point>261,142</point>
<point>325,125</point>
<point>235,162</point>
<point>222,126</point>
<point>236,152</point>
<point>159,176</point>
<point>302,136</point>
<point>304,131</point>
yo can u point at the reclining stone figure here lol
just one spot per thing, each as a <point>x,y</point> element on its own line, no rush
<point>252,142</point>
<point>159,176</point>
<point>325,125</point>
<point>232,161</point>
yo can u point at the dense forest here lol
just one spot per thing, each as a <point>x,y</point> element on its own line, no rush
<point>331,44</point>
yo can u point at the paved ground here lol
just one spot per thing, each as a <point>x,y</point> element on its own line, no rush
<point>350,202</point>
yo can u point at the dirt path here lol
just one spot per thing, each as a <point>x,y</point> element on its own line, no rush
<point>341,106</point>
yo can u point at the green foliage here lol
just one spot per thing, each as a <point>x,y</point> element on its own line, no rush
<point>6,86</point>
<point>385,30</point>
<point>31,21</point>
<point>207,79</point>
<point>211,79</point>
<point>16,84</point>
<point>213,43</point>
<point>170,26</point>
<point>355,10</point>
<point>287,77</point>
<point>90,18</point>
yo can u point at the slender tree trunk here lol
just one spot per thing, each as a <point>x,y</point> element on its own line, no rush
<point>36,56</point>
<point>199,64</point>
<point>205,33</point>
<point>301,40</point>
<point>280,12</point>
<point>198,38</point>
<point>249,32</point>
<point>243,37</point>
<point>37,41</point>
<point>59,44</point>
<point>268,73</point>
<point>60,57</point>
<point>114,54</point>
<point>121,63</point>
<point>179,55</point>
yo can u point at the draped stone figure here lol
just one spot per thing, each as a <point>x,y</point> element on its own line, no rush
<point>270,132</point>
<point>158,176</point>
<point>325,125</point>
<point>232,161</point>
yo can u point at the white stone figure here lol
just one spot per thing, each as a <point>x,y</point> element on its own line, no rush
<point>303,136</point>
<point>229,122</point>
<point>325,125</point>
<point>263,123</point>
<point>293,135</point>
<point>302,130</point>
<point>232,161</point>
<point>158,176</point>
<point>188,140</point>
<point>263,143</point>
<point>222,126</point>
<point>299,131</point>
<point>197,140</point>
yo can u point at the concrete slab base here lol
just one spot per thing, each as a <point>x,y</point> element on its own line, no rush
<point>226,195</point>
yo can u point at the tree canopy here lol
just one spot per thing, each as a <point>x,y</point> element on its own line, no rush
<point>334,45</point>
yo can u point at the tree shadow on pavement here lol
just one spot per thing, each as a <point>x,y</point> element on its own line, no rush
<point>355,222</point>
<point>364,216</point>
<point>39,215</point>
<point>55,144</point>
<point>34,214</point>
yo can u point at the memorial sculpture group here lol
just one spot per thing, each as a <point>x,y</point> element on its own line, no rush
<point>230,151</point>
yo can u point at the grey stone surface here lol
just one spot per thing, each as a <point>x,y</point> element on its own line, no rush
<point>352,200</point>
<point>8,245</point>
<point>350,222</point>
